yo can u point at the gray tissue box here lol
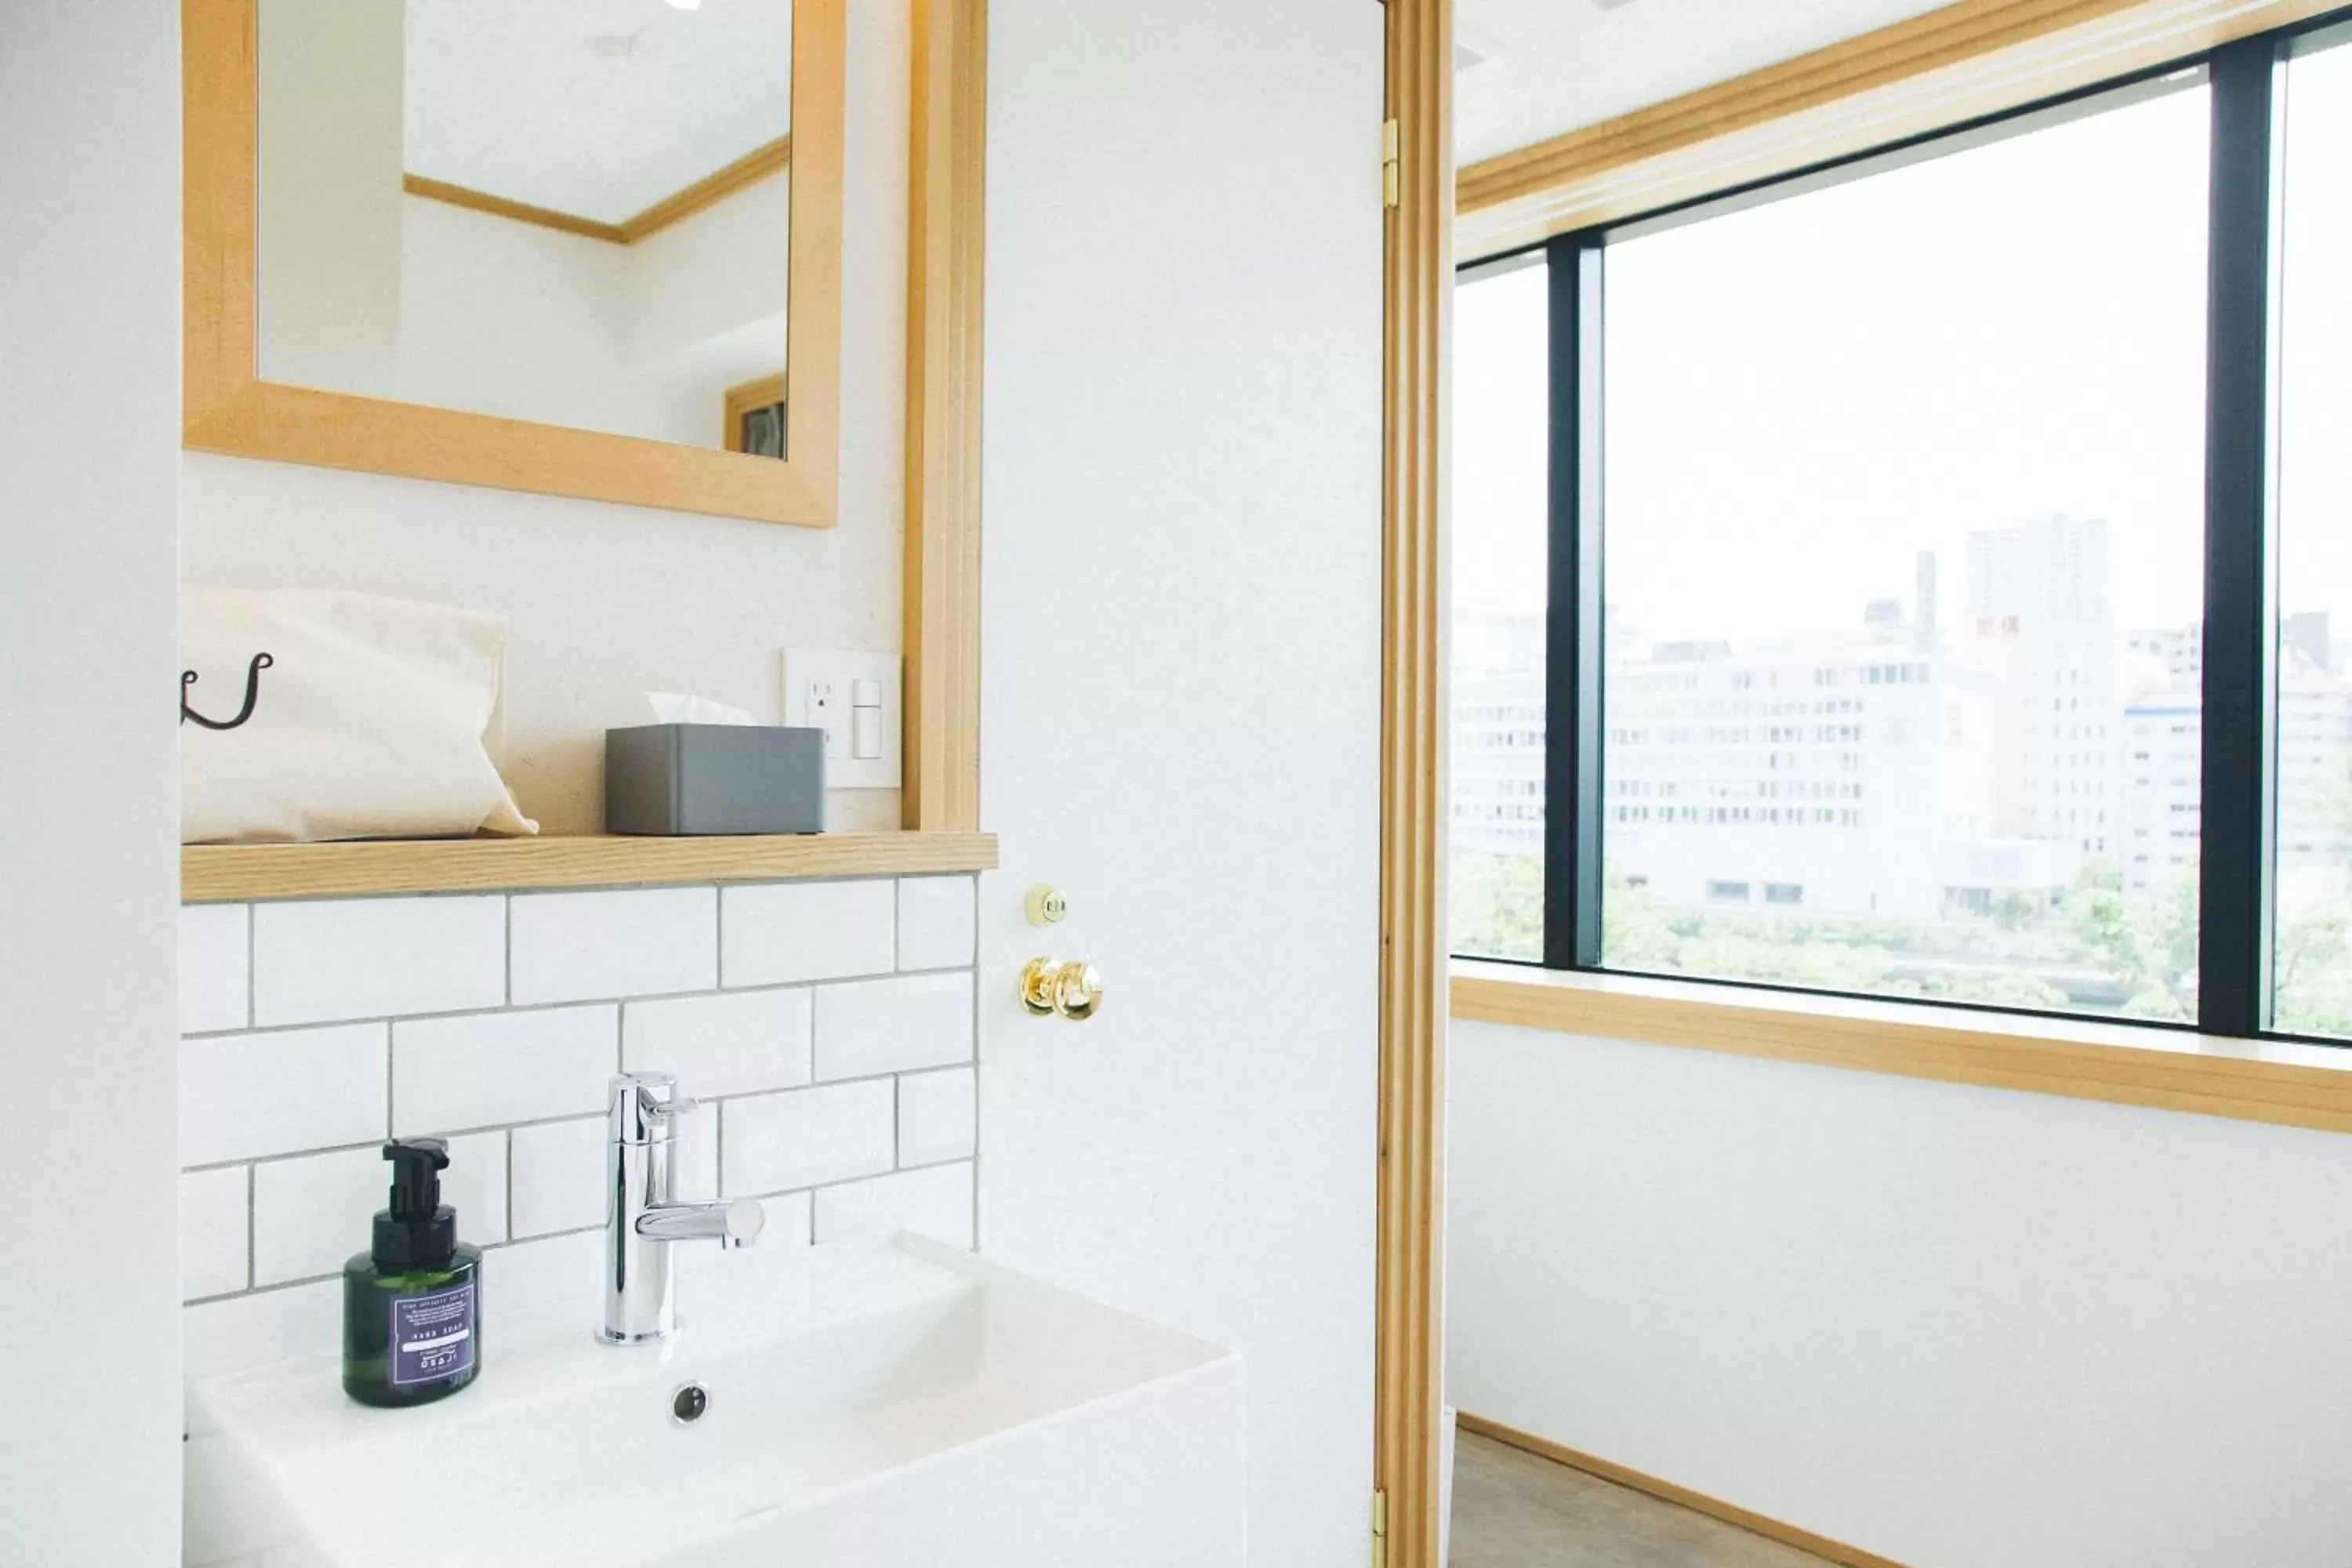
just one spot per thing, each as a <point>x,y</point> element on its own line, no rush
<point>679,779</point>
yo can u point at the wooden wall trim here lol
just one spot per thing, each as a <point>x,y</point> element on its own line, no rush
<point>945,273</point>
<point>1416,336</point>
<point>1771,1529</point>
<point>2285,1083</point>
<point>472,200</point>
<point>761,163</point>
<point>1957,63</point>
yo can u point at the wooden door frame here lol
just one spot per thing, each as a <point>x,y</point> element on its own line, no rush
<point>947,186</point>
<point>1416,330</point>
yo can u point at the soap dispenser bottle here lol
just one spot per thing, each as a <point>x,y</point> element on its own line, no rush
<point>411,1302</point>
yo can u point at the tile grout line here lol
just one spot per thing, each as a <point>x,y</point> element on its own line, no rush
<point>387,1026</point>
<point>252,986</point>
<point>975,1063</point>
<point>808,1191</point>
<point>969,1063</point>
<point>503,1009</point>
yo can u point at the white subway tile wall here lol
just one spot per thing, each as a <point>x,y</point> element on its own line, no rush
<point>802,1137</point>
<point>494,1020</point>
<point>585,947</point>
<point>245,1096</point>
<point>937,922</point>
<point>482,1068</point>
<point>788,931</point>
<point>213,1231</point>
<point>873,1026</point>
<point>939,1116</point>
<point>320,961</point>
<point>558,1176</point>
<point>215,990</point>
<point>737,1042</point>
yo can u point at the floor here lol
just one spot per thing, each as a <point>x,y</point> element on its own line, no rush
<point>1513,1510</point>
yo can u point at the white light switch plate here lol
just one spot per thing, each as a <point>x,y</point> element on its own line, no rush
<point>818,686</point>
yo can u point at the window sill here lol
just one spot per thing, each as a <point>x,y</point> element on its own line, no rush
<point>2283,1082</point>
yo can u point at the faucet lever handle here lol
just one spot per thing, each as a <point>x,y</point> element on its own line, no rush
<point>645,1107</point>
<point>669,1108</point>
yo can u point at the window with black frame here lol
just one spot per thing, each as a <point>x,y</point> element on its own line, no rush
<point>2312,850</point>
<point>1908,624</point>
<point>1501,349</point>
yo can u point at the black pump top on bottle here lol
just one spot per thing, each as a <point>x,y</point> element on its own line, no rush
<point>418,1231</point>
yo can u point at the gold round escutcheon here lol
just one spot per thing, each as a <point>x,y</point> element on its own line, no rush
<point>1046,905</point>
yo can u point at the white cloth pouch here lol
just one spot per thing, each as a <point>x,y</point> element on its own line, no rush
<point>309,714</point>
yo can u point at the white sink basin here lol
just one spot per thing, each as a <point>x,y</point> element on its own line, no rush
<point>885,1405</point>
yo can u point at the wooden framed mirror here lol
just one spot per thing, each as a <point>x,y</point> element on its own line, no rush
<point>536,245</point>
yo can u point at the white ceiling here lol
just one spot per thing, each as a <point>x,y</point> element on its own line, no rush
<point>1555,65</point>
<point>597,108</point>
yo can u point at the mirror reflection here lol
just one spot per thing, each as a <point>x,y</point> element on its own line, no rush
<point>573,212</point>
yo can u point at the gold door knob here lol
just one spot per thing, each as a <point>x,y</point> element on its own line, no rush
<point>1073,990</point>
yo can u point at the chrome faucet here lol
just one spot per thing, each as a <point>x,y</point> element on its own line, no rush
<point>641,1220</point>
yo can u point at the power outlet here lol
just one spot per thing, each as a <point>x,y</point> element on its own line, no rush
<point>857,699</point>
<point>827,705</point>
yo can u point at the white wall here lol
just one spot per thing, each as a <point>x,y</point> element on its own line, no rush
<point>1961,1327</point>
<point>89,413</point>
<point>1180,695</point>
<point>610,601</point>
<point>509,318</point>
<point>527,322</point>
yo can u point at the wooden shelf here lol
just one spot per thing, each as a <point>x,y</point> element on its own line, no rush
<point>233,873</point>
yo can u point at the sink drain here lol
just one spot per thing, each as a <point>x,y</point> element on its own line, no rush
<point>688,1404</point>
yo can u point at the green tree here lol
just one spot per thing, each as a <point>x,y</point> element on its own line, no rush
<point>1635,932</point>
<point>1497,905</point>
<point>2014,907</point>
<point>2148,944</point>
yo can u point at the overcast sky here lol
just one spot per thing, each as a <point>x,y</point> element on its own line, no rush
<point>1805,394</point>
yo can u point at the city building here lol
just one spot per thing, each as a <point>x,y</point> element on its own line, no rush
<point>2163,770</point>
<point>1499,732</point>
<point>2163,762</point>
<point>1848,774</point>
<point>2039,624</point>
<point>1891,769</point>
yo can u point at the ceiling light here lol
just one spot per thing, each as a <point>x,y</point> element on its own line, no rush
<point>686,5</point>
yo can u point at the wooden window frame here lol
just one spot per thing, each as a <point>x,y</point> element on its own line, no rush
<point>229,408</point>
<point>747,397</point>
<point>1960,62</point>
